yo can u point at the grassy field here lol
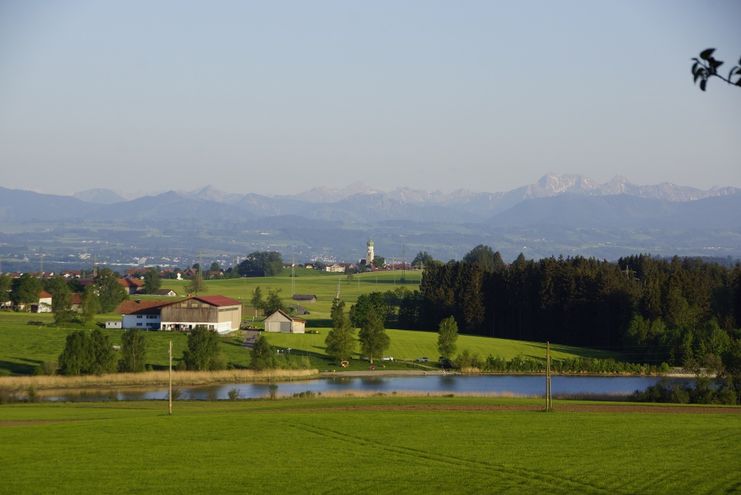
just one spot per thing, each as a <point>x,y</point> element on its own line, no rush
<point>24,346</point>
<point>322,284</point>
<point>371,445</point>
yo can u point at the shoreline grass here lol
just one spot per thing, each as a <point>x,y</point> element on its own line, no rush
<point>179,378</point>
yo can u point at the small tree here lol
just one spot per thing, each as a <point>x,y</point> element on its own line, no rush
<point>373,337</point>
<point>90,304</point>
<point>262,354</point>
<point>447,335</point>
<point>87,352</point>
<point>110,292</point>
<point>196,284</point>
<point>257,301</point>
<point>203,350</point>
<point>77,356</point>
<point>6,283</point>
<point>340,340</point>
<point>422,259</point>
<point>61,300</point>
<point>133,351</point>
<point>152,281</point>
<point>26,290</point>
<point>104,357</point>
<point>273,302</point>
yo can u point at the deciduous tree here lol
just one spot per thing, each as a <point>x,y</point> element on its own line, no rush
<point>447,336</point>
<point>133,351</point>
<point>340,340</point>
<point>152,281</point>
<point>203,350</point>
<point>262,355</point>
<point>373,338</point>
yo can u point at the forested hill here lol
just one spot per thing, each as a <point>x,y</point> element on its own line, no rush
<point>683,311</point>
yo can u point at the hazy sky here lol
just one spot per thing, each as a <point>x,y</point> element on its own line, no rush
<point>278,97</point>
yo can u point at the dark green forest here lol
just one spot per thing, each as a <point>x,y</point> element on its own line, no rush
<point>682,311</point>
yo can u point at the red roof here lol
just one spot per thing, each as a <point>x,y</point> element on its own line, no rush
<point>44,295</point>
<point>75,298</point>
<point>217,300</point>
<point>143,306</point>
<point>130,282</point>
<point>138,306</point>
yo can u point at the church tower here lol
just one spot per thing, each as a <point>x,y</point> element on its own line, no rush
<point>370,256</point>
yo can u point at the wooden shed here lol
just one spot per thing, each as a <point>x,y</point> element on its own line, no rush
<point>280,321</point>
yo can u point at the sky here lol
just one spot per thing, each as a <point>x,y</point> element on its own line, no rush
<point>278,97</point>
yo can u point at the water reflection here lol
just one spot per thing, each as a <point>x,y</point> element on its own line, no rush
<point>518,386</point>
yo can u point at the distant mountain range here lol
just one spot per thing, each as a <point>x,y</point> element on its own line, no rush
<point>558,214</point>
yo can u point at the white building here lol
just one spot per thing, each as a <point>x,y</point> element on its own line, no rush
<point>219,313</point>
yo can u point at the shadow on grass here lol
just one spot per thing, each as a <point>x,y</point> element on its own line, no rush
<point>15,368</point>
<point>319,323</point>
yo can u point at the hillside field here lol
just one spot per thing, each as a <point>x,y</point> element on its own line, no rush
<point>322,284</point>
<point>24,346</point>
<point>370,445</point>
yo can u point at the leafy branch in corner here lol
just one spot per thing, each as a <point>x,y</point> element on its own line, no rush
<point>706,67</point>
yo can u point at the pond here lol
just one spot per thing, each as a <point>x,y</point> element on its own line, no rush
<point>503,385</point>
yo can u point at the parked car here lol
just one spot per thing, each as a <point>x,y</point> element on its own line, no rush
<point>423,360</point>
<point>387,358</point>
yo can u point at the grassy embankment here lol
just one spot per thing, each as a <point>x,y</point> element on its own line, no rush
<point>371,445</point>
<point>24,346</point>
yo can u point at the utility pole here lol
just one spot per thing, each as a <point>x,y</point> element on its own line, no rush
<point>293,276</point>
<point>548,392</point>
<point>403,263</point>
<point>169,394</point>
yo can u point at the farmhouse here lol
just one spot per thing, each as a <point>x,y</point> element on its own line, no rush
<point>281,321</point>
<point>44,304</point>
<point>75,302</point>
<point>219,313</point>
<point>132,285</point>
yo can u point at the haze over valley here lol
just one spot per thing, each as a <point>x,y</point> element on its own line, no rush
<point>556,215</point>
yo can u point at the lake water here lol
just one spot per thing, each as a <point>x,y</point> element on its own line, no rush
<point>509,385</point>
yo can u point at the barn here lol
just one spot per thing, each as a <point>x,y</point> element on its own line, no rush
<point>220,313</point>
<point>280,321</point>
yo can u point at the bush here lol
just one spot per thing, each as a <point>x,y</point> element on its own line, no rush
<point>263,357</point>
<point>133,351</point>
<point>233,394</point>
<point>45,368</point>
<point>87,353</point>
<point>203,351</point>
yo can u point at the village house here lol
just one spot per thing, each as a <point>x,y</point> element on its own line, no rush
<point>219,313</point>
<point>132,285</point>
<point>75,302</point>
<point>336,268</point>
<point>280,321</point>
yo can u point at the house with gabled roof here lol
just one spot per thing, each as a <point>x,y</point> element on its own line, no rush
<point>280,321</point>
<point>131,284</point>
<point>219,313</point>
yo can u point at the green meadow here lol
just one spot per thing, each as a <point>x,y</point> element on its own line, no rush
<point>27,340</point>
<point>24,346</point>
<point>322,284</point>
<point>370,445</point>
